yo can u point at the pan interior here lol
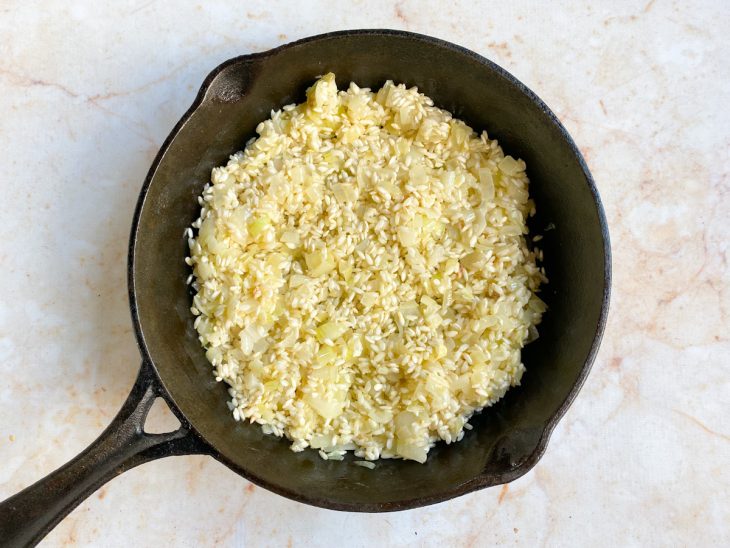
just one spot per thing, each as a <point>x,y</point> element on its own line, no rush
<point>505,438</point>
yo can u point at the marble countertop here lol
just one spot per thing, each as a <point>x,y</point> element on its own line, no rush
<point>87,95</point>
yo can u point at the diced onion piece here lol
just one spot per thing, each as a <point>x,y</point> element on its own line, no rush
<point>462,383</point>
<point>406,434</point>
<point>362,176</point>
<point>321,441</point>
<point>510,166</point>
<point>272,385</point>
<point>327,373</point>
<point>405,424</point>
<point>262,345</point>
<point>349,134</point>
<point>418,175</point>
<point>460,133</point>
<point>296,280</point>
<point>354,346</point>
<point>249,337</point>
<point>381,416</point>
<point>407,236</point>
<point>406,117</point>
<point>214,355</point>
<point>412,452</point>
<point>204,270</point>
<point>438,388</point>
<point>326,355</point>
<point>451,266</point>
<point>345,192</point>
<point>331,331</point>
<point>207,236</point>
<point>429,305</point>
<point>537,305</point>
<point>474,260</point>
<point>313,193</point>
<point>357,106</point>
<point>345,268</point>
<point>481,374</point>
<point>332,159</point>
<point>433,228</point>
<point>290,237</point>
<point>323,94</point>
<point>276,261</point>
<point>479,223</point>
<point>410,310</point>
<point>298,175</point>
<point>369,298</point>
<point>289,339</point>
<point>478,357</point>
<point>486,187</point>
<point>434,320</point>
<point>388,186</point>
<point>319,263</point>
<point>238,221</point>
<point>479,325</point>
<point>328,408</point>
<point>258,224</point>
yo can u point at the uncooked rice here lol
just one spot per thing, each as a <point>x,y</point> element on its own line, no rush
<point>362,276</point>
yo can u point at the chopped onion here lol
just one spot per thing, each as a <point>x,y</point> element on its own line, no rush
<point>331,331</point>
<point>369,298</point>
<point>345,269</point>
<point>418,175</point>
<point>474,260</point>
<point>318,263</point>
<point>290,237</point>
<point>407,236</point>
<point>486,186</point>
<point>326,407</point>
<point>410,310</point>
<point>238,222</point>
<point>345,192</point>
<point>258,224</point>
<point>510,166</point>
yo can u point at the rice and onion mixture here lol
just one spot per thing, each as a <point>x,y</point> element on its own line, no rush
<point>363,279</point>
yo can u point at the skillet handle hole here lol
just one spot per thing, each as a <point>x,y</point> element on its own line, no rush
<point>160,419</point>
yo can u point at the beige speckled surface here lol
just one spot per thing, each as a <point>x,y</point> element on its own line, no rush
<point>88,93</point>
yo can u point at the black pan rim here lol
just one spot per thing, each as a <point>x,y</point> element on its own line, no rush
<point>478,482</point>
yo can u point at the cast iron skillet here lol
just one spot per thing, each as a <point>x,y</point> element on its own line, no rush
<point>508,439</point>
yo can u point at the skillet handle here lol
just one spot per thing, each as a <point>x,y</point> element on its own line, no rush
<point>25,518</point>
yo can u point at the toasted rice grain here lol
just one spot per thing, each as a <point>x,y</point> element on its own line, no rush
<point>363,280</point>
